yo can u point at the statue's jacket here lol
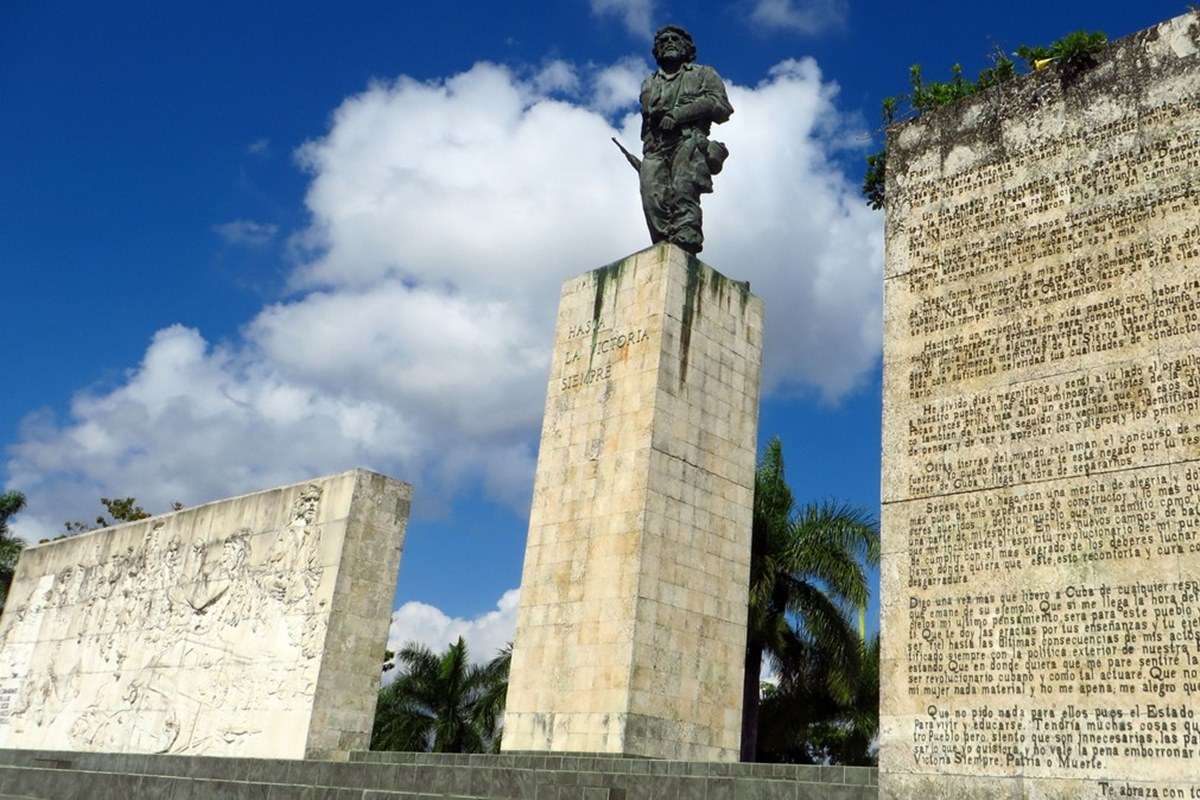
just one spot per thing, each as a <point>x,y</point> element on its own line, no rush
<point>695,98</point>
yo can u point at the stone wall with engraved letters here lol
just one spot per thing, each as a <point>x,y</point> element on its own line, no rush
<point>1041,479</point>
<point>631,628</point>
<point>254,626</point>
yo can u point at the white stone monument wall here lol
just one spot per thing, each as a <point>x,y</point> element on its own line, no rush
<point>254,626</point>
<point>1041,544</point>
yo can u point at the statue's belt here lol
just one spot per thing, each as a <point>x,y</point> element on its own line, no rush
<point>714,152</point>
<point>669,140</point>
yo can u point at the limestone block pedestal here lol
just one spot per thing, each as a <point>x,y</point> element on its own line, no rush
<point>631,629</point>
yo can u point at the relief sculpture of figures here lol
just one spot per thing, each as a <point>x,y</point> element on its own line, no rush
<point>209,630</point>
<point>680,102</point>
<point>213,605</point>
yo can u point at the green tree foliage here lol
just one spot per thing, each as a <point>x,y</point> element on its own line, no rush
<point>120,509</point>
<point>1073,54</point>
<point>490,705</point>
<point>803,722</point>
<point>11,504</point>
<point>1003,69</point>
<point>1074,50</point>
<point>442,703</point>
<point>873,181</point>
<point>807,578</point>
<point>926,96</point>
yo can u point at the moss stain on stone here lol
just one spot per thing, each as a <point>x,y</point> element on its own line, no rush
<point>692,303</point>
<point>602,276</point>
<point>716,288</point>
<point>719,286</point>
<point>610,273</point>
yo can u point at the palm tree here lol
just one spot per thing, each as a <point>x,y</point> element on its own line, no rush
<point>442,703</point>
<point>802,721</point>
<point>858,720</point>
<point>11,503</point>
<point>806,575</point>
<point>489,707</point>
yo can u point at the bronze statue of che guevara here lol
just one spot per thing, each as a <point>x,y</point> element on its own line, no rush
<point>680,102</point>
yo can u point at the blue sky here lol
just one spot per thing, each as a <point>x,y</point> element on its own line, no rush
<point>243,246</point>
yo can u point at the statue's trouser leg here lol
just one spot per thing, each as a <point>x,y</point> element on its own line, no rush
<point>686,217</point>
<point>656,194</point>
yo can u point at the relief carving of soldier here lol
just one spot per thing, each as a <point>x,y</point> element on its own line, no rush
<point>681,101</point>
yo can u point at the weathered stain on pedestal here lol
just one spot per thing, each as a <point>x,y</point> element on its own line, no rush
<point>1041,569</point>
<point>254,626</point>
<point>631,629</point>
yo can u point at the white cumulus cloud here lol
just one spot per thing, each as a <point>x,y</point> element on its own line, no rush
<point>801,16</point>
<point>618,86</point>
<point>194,422</point>
<point>444,216</point>
<point>636,14</point>
<point>556,77</point>
<point>246,232</point>
<point>428,625</point>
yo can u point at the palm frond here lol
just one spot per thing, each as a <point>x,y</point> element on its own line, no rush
<point>442,703</point>
<point>841,525</point>
<point>11,504</point>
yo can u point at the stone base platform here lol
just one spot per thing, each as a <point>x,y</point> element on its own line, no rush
<point>47,775</point>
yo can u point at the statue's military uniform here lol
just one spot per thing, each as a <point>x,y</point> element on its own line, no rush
<point>678,165</point>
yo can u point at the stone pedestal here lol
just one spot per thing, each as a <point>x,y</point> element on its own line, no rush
<point>631,630</point>
<point>250,627</point>
<point>1041,544</point>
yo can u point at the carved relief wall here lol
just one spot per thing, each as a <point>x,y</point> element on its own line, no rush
<point>208,631</point>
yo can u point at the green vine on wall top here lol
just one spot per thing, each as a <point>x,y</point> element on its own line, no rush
<point>1072,54</point>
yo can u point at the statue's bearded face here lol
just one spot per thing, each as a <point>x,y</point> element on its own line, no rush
<point>673,46</point>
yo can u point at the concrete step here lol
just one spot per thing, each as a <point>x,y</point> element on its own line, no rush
<point>33,783</point>
<point>416,776</point>
<point>609,764</point>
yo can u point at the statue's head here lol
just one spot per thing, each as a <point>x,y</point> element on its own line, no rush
<point>674,44</point>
